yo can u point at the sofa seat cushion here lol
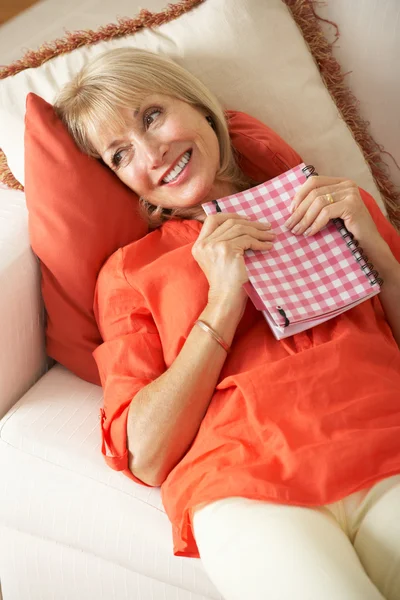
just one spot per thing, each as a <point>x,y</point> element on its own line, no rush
<point>55,485</point>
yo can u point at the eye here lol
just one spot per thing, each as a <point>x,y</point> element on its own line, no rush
<point>121,157</point>
<point>149,115</point>
<point>117,158</point>
<point>122,154</point>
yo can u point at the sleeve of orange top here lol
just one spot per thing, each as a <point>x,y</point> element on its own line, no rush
<point>385,228</point>
<point>130,357</point>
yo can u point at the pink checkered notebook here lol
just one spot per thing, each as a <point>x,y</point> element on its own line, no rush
<point>301,281</point>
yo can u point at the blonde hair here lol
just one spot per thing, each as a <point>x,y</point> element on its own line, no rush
<point>122,78</point>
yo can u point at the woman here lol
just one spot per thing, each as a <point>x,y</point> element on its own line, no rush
<point>262,448</point>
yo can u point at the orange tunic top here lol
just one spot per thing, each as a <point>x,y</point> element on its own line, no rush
<point>306,420</point>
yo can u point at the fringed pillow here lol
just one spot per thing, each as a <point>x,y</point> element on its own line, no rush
<point>249,52</point>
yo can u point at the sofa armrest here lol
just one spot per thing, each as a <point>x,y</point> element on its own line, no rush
<point>23,357</point>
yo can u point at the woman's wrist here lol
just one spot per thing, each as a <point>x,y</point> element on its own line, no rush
<point>214,335</point>
<point>380,255</point>
<point>223,313</point>
<point>228,298</point>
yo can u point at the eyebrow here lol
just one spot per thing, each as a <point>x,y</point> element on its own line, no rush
<point>116,143</point>
<point>113,144</point>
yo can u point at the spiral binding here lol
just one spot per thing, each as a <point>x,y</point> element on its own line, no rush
<point>283,314</point>
<point>309,171</point>
<point>358,253</point>
<point>353,244</point>
<point>217,206</point>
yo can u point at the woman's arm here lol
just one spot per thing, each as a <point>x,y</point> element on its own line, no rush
<point>385,263</point>
<point>166,415</point>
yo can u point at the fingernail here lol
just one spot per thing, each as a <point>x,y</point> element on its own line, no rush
<point>307,231</point>
<point>288,223</point>
<point>296,229</point>
<point>291,207</point>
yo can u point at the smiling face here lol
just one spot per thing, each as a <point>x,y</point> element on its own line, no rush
<point>166,152</point>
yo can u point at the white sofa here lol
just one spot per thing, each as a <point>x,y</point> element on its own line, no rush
<point>70,528</point>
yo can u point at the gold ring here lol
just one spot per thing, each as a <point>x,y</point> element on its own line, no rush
<point>329,198</point>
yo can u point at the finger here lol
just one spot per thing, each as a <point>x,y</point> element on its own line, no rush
<point>308,212</point>
<point>332,211</point>
<point>213,221</point>
<point>317,197</point>
<point>242,229</point>
<point>311,184</point>
<point>246,242</point>
<point>314,211</point>
<point>234,226</point>
<point>224,221</point>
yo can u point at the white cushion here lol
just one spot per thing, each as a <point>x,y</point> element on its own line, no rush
<point>65,492</point>
<point>22,348</point>
<point>249,52</point>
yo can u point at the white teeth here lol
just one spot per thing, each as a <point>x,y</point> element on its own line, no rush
<point>178,168</point>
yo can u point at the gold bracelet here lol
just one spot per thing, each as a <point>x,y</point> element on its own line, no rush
<point>215,335</point>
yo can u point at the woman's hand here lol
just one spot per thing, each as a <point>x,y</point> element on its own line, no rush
<point>323,198</point>
<point>219,251</point>
<point>312,209</point>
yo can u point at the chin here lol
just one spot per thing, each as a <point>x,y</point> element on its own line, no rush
<point>192,197</point>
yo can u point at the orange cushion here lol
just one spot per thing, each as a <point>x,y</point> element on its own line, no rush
<point>80,213</point>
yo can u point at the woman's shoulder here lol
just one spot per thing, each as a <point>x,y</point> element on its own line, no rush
<point>169,235</point>
<point>166,238</point>
<point>186,229</point>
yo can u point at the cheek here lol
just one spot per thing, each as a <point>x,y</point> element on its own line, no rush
<point>133,179</point>
<point>214,154</point>
<point>209,149</point>
<point>174,131</point>
<point>197,133</point>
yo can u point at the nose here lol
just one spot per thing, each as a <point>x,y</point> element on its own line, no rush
<point>154,152</point>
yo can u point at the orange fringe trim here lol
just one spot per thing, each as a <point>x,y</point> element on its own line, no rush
<point>308,21</point>
<point>304,14</point>
<point>76,39</point>
<point>6,176</point>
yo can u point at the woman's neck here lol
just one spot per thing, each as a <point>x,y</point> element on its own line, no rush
<point>221,189</point>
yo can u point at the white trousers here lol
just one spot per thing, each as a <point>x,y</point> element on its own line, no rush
<point>348,550</point>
